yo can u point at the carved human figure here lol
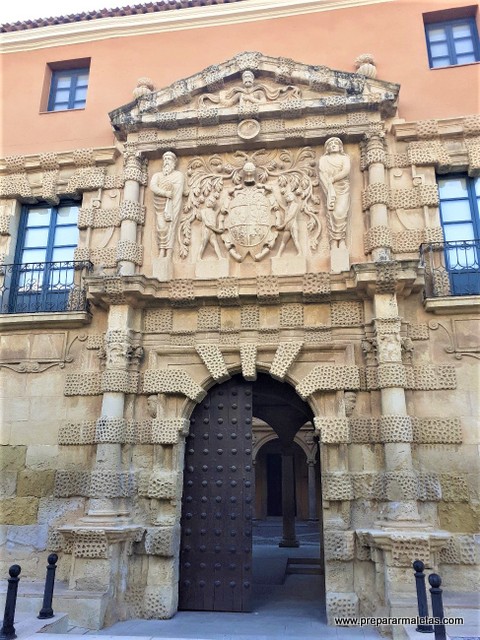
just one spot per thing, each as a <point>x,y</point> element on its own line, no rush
<point>290,223</point>
<point>249,93</point>
<point>168,190</point>
<point>152,405</point>
<point>208,216</point>
<point>334,172</point>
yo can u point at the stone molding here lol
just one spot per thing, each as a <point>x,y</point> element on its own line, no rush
<point>284,357</point>
<point>176,381</point>
<point>214,361</point>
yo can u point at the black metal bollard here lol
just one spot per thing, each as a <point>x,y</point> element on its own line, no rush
<point>46,611</point>
<point>421,597</point>
<point>437,606</point>
<point>7,632</point>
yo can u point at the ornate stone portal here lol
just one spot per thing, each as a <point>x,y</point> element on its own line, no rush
<point>254,228</point>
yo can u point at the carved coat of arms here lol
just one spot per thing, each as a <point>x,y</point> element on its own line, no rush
<point>247,201</point>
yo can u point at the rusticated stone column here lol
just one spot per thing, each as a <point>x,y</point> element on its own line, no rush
<point>130,211</point>
<point>376,195</point>
<point>395,424</point>
<point>110,486</point>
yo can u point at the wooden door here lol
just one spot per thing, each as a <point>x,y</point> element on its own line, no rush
<point>218,502</point>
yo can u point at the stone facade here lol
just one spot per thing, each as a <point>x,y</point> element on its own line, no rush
<point>229,263</point>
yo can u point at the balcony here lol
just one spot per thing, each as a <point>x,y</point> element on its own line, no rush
<point>44,287</point>
<point>451,268</point>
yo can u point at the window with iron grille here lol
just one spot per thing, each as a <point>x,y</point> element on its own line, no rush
<point>460,217</point>
<point>43,274</point>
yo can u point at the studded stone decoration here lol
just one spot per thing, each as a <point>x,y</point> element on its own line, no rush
<point>162,485</point>
<point>105,256</point>
<point>429,488</point>
<point>387,275</point>
<point>437,430</point>
<point>182,293</point>
<point>318,334</point>
<point>214,361</point>
<point>110,430</point>
<point>473,152</point>
<point>363,431</point>
<point>182,338</point>
<point>370,486</point>
<point>111,484</point>
<point>337,486</point>
<point>248,359</point>
<point>316,286</point>
<point>172,381</point>
<point>391,375</point>
<point>5,219</point>
<point>395,428</point>
<point>71,483</point>
<point>118,381</point>
<point>130,251</point>
<point>86,179</point>
<point>158,605</point>
<point>460,549</point>
<point>377,237</point>
<point>328,377</point>
<point>418,331</point>
<point>428,153</point>
<point>267,289</point>
<point>96,218</point>
<point>346,314</point>
<point>285,356</point>
<point>208,319</point>
<point>75,433</point>
<point>332,430</point>
<point>15,184</point>
<point>84,383</point>
<point>375,193</point>
<point>406,547</point>
<point>407,241</point>
<point>401,485</point>
<point>229,337</point>
<point>227,291</point>
<point>344,605</point>
<point>161,541</point>
<point>165,431</point>
<point>339,545</point>
<point>158,320</point>
<point>454,488</point>
<point>115,289</point>
<point>88,543</point>
<point>430,377</point>
<point>250,316</point>
<point>291,316</point>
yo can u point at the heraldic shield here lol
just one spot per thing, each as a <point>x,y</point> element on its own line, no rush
<point>249,222</point>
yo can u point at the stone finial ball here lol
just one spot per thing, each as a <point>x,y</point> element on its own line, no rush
<point>418,565</point>
<point>434,580</point>
<point>15,570</point>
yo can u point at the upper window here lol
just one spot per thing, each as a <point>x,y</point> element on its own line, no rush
<point>460,216</point>
<point>452,42</point>
<point>68,89</point>
<point>43,275</point>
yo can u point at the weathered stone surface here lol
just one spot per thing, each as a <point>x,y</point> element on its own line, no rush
<point>35,483</point>
<point>18,510</point>
<point>12,458</point>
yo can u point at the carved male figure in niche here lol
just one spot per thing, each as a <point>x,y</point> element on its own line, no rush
<point>350,399</point>
<point>334,172</point>
<point>249,93</point>
<point>208,216</point>
<point>290,223</point>
<point>168,189</point>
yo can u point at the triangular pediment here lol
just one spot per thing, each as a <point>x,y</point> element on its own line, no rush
<point>253,86</point>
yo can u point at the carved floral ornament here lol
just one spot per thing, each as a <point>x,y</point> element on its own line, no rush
<point>252,202</point>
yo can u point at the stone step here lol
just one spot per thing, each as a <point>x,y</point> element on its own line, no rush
<point>304,566</point>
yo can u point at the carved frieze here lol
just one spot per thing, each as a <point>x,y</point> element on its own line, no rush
<point>244,201</point>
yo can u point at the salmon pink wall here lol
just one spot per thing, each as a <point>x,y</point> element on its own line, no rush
<point>393,32</point>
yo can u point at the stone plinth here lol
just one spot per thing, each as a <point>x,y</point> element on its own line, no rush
<point>162,269</point>
<point>339,260</point>
<point>289,265</point>
<point>206,269</point>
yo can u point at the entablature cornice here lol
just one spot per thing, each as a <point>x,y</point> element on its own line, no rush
<point>362,281</point>
<point>98,156</point>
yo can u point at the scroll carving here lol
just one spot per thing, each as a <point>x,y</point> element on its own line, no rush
<point>248,94</point>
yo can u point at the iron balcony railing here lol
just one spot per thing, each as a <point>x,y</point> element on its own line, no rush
<point>451,268</point>
<point>37,287</point>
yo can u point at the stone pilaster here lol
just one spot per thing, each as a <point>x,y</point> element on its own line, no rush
<point>131,196</point>
<point>376,196</point>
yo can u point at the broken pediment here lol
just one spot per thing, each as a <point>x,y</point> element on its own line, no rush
<point>252,97</point>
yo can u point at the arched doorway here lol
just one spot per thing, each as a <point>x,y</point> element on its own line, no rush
<point>219,489</point>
